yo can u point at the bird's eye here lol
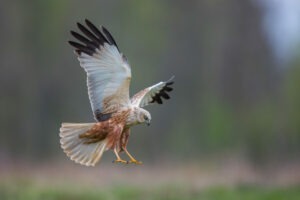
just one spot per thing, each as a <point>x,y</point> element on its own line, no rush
<point>145,117</point>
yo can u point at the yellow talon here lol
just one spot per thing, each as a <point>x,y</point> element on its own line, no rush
<point>120,161</point>
<point>135,162</point>
<point>132,160</point>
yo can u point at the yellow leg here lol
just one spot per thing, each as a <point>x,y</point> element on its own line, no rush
<point>132,159</point>
<point>119,159</point>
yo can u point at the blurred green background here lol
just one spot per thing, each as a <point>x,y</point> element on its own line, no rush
<point>230,131</point>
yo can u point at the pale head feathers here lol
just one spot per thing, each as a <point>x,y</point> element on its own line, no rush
<point>138,116</point>
<point>144,116</point>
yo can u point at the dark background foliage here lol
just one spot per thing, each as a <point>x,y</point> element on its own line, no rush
<point>231,94</point>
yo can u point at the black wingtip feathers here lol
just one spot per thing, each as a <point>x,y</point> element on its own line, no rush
<point>91,38</point>
<point>163,93</point>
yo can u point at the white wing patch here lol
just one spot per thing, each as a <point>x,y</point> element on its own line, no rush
<point>107,76</point>
<point>108,73</point>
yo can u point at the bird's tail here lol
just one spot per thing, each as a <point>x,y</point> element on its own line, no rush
<point>76,148</point>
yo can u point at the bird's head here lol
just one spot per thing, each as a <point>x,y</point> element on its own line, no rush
<point>144,116</point>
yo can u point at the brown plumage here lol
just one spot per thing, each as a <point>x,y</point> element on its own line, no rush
<point>111,129</point>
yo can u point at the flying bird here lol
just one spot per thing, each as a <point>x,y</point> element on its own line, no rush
<point>108,80</point>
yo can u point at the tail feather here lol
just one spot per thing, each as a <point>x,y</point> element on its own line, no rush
<point>75,148</point>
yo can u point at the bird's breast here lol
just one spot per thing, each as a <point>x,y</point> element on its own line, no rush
<point>132,118</point>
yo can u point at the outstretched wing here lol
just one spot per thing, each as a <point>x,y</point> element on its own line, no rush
<point>153,94</point>
<point>108,72</point>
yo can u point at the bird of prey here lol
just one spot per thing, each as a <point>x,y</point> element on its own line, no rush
<point>108,79</point>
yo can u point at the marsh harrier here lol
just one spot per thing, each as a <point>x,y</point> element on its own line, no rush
<point>108,80</point>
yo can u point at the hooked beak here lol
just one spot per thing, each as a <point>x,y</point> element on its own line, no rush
<point>148,122</point>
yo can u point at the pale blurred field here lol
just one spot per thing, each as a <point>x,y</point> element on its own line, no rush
<point>221,180</point>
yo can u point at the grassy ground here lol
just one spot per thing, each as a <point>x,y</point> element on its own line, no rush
<point>27,191</point>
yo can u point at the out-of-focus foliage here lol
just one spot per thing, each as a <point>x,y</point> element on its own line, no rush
<point>24,191</point>
<point>230,95</point>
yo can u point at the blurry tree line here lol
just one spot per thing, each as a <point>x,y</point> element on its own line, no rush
<point>230,95</point>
